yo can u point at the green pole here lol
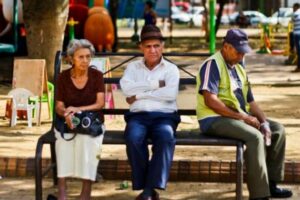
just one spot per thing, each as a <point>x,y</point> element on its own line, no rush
<point>91,3</point>
<point>71,24</point>
<point>262,6</point>
<point>212,26</point>
<point>71,32</point>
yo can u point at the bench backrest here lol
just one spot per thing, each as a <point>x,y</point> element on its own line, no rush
<point>190,79</point>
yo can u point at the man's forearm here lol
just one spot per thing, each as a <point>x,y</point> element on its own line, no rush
<point>214,103</point>
<point>257,112</point>
<point>219,107</point>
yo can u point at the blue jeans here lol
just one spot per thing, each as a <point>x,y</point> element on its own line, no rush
<point>160,128</point>
<point>297,44</point>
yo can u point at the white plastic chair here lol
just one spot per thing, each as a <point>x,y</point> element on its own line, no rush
<point>20,101</point>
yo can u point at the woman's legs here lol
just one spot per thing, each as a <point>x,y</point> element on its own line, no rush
<point>62,194</point>
<point>86,189</point>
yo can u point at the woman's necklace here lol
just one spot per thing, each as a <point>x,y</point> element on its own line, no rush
<point>80,75</point>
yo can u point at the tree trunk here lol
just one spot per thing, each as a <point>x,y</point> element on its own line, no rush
<point>45,23</point>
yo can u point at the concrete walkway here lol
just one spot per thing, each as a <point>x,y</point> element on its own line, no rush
<point>23,189</point>
<point>266,69</point>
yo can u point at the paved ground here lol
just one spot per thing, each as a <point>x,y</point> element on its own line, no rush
<point>23,189</point>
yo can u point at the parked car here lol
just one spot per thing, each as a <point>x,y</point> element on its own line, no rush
<point>179,16</point>
<point>283,16</point>
<point>197,15</point>
<point>254,17</point>
<point>183,6</point>
<point>225,19</point>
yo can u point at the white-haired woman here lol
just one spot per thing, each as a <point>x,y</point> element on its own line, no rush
<point>79,89</point>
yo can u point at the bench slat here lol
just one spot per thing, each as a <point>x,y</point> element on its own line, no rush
<point>182,138</point>
<point>122,111</point>
<point>183,81</point>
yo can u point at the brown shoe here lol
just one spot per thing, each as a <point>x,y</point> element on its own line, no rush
<point>296,70</point>
<point>155,196</point>
<point>140,197</point>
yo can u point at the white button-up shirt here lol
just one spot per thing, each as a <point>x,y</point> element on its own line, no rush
<point>138,80</point>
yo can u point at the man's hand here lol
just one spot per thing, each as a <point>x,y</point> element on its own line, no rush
<point>162,83</point>
<point>266,131</point>
<point>252,121</point>
<point>131,100</point>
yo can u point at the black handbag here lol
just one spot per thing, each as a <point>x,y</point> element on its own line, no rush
<point>87,123</point>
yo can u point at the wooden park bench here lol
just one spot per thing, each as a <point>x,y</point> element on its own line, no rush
<point>115,137</point>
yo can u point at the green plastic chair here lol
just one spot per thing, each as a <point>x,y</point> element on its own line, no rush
<point>45,98</point>
<point>51,96</point>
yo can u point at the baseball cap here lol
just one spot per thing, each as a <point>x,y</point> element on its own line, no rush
<point>238,39</point>
<point>151,32</point>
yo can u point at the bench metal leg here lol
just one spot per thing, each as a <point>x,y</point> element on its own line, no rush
<point>239,170</point>
<point>38,171</point>
<point>53,163</point>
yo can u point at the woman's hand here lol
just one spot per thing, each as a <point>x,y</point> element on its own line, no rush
<point>68,119</point>
<point>69,113</point>
<point>71,110</point>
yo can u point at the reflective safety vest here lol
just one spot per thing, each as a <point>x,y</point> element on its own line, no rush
<point>226,94</point>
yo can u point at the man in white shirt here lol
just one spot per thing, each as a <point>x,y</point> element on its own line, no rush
<point>151,87</point>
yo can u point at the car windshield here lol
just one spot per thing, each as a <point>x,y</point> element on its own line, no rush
<point>254,14</point>
<point>175,9</point>
<point>283,12</point>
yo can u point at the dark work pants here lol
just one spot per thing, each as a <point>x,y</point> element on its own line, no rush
<point>262,163</point>
<point>160,128</point>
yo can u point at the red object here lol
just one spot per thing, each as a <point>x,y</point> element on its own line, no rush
<point>99,29</point>
<point>277,52</point>
<point>184,6</point>
<point>79,13</point>
<point>267,41</point>
<point>22,114</point>
<point>77,2</point>
<point>22,31</point>
<point>99,3</point>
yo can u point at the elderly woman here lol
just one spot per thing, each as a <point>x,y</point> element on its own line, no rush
<point>79,89</point>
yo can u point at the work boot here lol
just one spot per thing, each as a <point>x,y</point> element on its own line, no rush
<point>277,192</point>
